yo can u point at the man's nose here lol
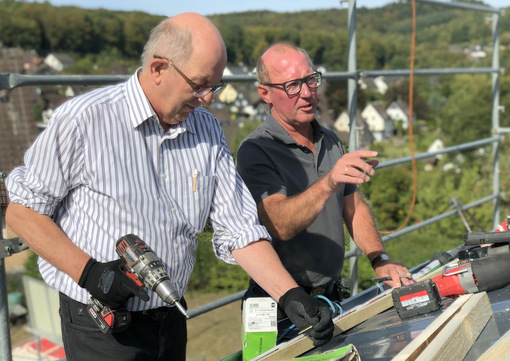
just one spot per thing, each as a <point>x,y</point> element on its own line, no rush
<point>206,99</point>
<point>305,90</point>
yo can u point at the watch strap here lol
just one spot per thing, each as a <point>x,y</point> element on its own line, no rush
<point>380,258</point>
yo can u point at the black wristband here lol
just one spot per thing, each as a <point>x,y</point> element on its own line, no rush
<point>86,271</point>
<point>380,258</point>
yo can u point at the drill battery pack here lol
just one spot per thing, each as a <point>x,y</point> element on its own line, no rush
<point>416,299</point>
<point>108,320</point>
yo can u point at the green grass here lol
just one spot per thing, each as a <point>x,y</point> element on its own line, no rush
<point>215,334</point>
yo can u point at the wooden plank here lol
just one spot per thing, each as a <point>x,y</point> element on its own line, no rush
<point>456,338</point>
<point>413,350</point>
<point>499,351</point>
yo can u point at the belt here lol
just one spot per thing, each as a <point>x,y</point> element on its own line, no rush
<point>320,290</point>
<point>160,312</point>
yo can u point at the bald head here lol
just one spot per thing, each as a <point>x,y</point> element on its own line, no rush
<point>275,56</point>
<point>179,36</point>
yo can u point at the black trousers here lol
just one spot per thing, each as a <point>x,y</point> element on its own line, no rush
<point>158,334</point>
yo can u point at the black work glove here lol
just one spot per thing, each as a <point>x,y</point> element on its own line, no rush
<point>109,284</point>
<point>304,311</point>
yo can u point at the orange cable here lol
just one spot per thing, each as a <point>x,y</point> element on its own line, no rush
<point>411,135</point>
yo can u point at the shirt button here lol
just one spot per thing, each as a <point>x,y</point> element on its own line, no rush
<point>163,176</point>
<point>176,245</point>
<point>174,210</point>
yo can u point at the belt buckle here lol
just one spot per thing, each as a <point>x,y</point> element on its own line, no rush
<point>317,291</point>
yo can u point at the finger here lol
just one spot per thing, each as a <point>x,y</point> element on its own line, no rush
<point>359,175</point>
<point>311,320</point>
<point>364,153</point>
<point>362,166</point>
<point>322,332</point>
<point>407,281</point>
<point>136,290</point>
<point>324,321</point>
<point>325,335</point>
<point>143,295</point>
<point>396,280</point>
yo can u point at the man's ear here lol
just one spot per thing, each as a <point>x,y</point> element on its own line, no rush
<point>157,66</point>
<point>264,93</point>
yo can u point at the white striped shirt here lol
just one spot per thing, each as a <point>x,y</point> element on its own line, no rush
<point>105,168</point>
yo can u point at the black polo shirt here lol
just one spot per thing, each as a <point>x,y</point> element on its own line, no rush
<point>270,162</point>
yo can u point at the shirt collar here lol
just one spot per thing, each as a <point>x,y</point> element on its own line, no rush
<point>141,110</point>
<point>279,133</point>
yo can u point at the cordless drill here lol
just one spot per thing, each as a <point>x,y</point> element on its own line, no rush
<point>145,268</point>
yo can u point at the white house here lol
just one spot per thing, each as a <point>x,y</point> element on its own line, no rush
<point>379,123</point>
<point>342,123</point>
<point>58,61</point>
<point>379,84</point>
<point>364,136</point>
<point>398,111</point>
<point>228,95</point>
<point>434,147</point>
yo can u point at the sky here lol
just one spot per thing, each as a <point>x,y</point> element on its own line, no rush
<point>210,7</point>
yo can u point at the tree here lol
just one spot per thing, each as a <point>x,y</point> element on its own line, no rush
<point>390,194</point>
<point>401,91</point>
<point>17,30</point>
<point>466,115</point>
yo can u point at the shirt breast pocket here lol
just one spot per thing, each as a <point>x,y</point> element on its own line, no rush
<point>201,195</point>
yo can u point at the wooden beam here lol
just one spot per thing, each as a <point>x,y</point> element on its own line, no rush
<point>413,350</point>
<point>499,351</point>
<point>456,339</point>
<point>451,336</point>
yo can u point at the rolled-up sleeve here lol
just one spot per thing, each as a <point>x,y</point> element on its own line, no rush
<point>52,167</point>
<point>234,213</point>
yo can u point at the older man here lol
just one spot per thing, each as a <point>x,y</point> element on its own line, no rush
<point>303,181</point>
<point>143,157</point>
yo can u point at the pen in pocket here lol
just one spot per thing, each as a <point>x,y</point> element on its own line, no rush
<point>195,175</point>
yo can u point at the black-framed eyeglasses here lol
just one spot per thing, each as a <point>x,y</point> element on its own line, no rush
<point>293,87</point>
<point>198,90</point>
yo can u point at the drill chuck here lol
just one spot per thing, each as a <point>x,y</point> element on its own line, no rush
<point>167,294</point>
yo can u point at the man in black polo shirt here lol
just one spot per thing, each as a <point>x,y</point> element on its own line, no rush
<point>303,181</point>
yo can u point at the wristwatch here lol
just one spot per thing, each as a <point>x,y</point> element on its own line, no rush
<point>379,258</point>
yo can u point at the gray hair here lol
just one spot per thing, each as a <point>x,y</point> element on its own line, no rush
<point>168,40</point>
<point>282,47</point>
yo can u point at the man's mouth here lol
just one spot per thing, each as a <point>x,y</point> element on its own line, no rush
<point>306,108</point>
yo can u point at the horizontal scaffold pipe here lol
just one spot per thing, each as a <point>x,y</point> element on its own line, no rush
<point>215,304</point>
<point>12,80</point>
<point>455,148</point>
<point>455,4</point>
<point>356,252</point>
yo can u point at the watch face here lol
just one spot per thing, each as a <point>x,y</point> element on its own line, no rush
<point>382,257</point>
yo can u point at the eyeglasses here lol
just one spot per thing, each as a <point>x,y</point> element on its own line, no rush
<point>198,90</point>
<point>293,87</point>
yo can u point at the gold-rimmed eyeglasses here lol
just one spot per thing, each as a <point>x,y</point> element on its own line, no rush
<point>198,90</point>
